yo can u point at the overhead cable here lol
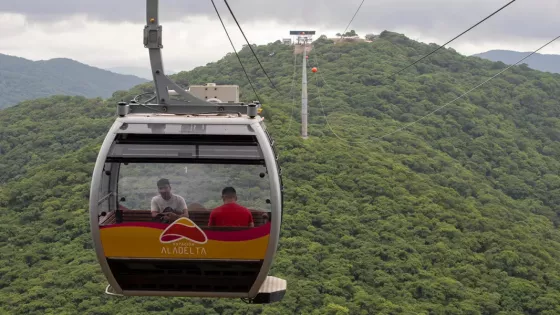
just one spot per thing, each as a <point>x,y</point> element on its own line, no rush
<point>446,104</point>
<point>470,28</point>
<point>342,34</point>
<point>238,58</point>
<point>249,44</point>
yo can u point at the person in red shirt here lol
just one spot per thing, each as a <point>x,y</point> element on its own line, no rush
<point>230,213</point>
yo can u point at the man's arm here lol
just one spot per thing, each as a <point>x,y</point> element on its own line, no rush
<point>154,207</point>
<point>251,222</point>
<point>184,207</point>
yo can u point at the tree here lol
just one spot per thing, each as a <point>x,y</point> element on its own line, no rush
<point>370,37</point>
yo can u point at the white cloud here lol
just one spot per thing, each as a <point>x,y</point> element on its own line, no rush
<point>190,42</point>
<point>196,40</point>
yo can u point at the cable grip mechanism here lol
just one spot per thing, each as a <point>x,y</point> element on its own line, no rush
<point>153,35</point>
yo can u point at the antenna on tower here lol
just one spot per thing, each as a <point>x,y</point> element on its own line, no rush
<point>303,37</point>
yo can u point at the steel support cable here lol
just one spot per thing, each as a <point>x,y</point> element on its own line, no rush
<point>347,26</point>
<point>250,47</point>
<point>443,106</point>
<point>238,58</point>
<point>323,110</point>
<point>454,38</point>
<point>292,94</point>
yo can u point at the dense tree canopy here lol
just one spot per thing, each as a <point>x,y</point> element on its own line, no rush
<point>454,214</point>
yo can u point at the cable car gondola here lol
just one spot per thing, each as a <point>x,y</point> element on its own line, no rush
<point>222,144</point>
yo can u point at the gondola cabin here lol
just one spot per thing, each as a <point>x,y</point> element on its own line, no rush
<point>199,155</point>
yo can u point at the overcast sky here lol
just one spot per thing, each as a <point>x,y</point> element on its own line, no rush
<point>108,33</point>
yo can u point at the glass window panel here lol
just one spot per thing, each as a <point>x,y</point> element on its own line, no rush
<point>200,184</point>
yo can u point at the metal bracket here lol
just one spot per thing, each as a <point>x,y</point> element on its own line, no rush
<point>250,110</point>
<point>190,105</point>
<point>153,41</point>
<point>152,30</point>
<point>189,98</point>
<point>110,291</point>
<point>152,36</point>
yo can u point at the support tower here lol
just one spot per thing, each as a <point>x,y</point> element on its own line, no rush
<point>303,37</point>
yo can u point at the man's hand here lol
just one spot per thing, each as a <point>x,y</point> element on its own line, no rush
<point>172,216</point>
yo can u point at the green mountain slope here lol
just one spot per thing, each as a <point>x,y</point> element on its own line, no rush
<point>542,62</point>
<point>456,214</point>
<point>22,79</point>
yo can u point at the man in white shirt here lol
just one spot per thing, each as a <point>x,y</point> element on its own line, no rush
<point>171,206</point>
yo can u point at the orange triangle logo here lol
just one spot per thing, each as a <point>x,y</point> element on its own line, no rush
<point>183,228</point>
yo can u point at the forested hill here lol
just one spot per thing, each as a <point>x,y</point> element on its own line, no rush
<point>22,79</point>
<point>549,63</point>
<point>455,214</point>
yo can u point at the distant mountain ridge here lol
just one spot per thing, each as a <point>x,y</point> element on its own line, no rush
<point>22,79</point>
<point>541,62</point>
<point>142,72</point>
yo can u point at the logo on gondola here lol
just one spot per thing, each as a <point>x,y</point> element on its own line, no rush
<point>183,228</point>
